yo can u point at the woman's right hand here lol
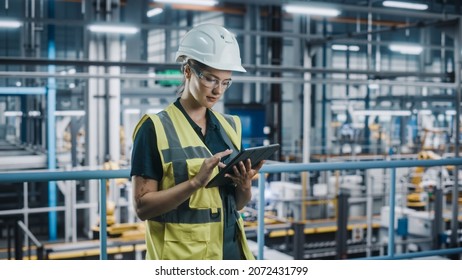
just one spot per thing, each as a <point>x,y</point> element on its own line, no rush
<point>205,172</point>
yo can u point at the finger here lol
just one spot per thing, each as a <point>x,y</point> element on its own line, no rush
<point>215,160</point>
<point>233,178</point>
<point>259,165</point>
<point>224,153</point>
<point>248,164</point>
<point>243,168</point>
<point>236,171</point>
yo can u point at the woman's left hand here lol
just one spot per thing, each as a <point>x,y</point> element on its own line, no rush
<point>244,172</point>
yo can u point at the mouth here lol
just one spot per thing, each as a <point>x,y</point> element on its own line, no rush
<point>212,99</point>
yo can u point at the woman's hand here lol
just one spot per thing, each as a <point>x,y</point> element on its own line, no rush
<point>205,172</point>
<point>244,172</point>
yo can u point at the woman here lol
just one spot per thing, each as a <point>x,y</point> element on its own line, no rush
<point>177,151</point>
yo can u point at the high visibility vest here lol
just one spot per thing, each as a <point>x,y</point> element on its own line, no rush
<point>194,230</point>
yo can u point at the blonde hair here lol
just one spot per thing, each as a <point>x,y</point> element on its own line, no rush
<point>190,63</point>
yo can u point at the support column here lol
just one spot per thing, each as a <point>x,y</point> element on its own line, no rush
<point>113,102</point>
<point>342,224</point>
<point>91,136</point>
<point>51,133</point>
<point>276,89</point>
<point>307,112</point>
<point>455,189</point>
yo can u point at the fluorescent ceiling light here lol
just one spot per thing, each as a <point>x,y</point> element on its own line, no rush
<point>382,113</point>
<point>154,12</point>
<point>373,86</point>
<point>116,29</point>
<point>189,2</point>
<point>351,48</point>
<point>448,112</point>
<point>406,48</point>
<point>70,113</point>
<point>4,23</point>
<point>424,112</point>
<point>315,10</point>
<point>405,5</point>
<point>13,114</point>
<point>34,114</point>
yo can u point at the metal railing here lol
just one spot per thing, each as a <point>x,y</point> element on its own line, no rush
<point>391,164</point>
<point>18,242</point>
<point>55,175</point>
<point>103,175</point>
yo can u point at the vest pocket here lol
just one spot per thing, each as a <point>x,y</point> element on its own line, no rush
<point>203,198</point>
<point>186,241</point>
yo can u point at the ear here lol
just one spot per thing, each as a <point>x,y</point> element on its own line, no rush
<point>187,72</point>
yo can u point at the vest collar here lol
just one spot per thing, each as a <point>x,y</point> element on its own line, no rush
<point>212,121</point>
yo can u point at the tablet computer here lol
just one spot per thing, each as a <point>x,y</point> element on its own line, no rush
<point>256,154</point>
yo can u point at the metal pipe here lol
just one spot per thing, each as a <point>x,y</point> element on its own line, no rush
<point>103,221</point>
<point>237,79</point>
<point>299,240</point>
<point>113,100</point>
<point>299,167</point>
<point>307,63</point>
<point>18,243</point>
<point>261,216</point>
<point>25,187</point>
<point>166,66</point>
<point>458,92</point>
<point>51,133</point>
<point>29,234</point>
<point>56,175</point>
<point>31,210</point>
<point>369,214</point>
<point>391,222</point>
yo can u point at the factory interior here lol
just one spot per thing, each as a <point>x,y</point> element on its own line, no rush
<point>336,83</point>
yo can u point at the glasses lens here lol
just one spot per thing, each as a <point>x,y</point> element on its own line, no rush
<point>227,84</point>
<point>209,81</point>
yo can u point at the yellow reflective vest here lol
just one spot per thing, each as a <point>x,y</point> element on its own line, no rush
<point>194,230</point>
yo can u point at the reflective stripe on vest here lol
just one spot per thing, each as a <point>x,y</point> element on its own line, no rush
<point>176,154</point>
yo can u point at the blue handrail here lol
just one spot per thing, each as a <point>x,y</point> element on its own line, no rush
<point>57,175</point>
<point>103,175</point>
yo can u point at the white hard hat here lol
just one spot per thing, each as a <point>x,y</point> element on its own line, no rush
<point>212,45</point>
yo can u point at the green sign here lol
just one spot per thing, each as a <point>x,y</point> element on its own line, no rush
<point>167,82</point>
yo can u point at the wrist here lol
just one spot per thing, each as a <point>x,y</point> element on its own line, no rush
<point>195,184</point>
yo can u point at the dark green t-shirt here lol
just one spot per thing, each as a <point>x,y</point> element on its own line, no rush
<point>146,163</point>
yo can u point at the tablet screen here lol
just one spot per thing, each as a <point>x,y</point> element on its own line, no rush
<point>256,154</point>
